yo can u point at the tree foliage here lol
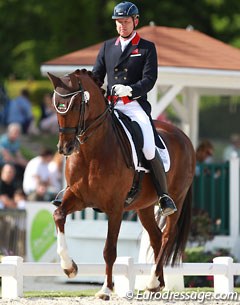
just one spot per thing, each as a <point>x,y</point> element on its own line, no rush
<point>34,31</point>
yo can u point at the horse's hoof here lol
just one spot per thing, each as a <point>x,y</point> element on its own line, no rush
<point>72,272</point>
<point>155,290</point>
<point>103,296</point>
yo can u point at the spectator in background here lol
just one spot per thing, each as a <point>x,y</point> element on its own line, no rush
<point>4,103</point>
<point>20,111</point>
<point>48,121</point>
<point>37,172</point>
<point>56,174</point>
<point>7,187</point>
<point>204,154</point>
<point>41,193</point>
<point>20,199</point>
<point>10,150</point>
<point>232,150</point>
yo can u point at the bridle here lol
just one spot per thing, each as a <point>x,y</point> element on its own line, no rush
<point>81,131</point>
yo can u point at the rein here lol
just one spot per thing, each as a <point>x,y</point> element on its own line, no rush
<point>80,131</point>
<point>83,132</point>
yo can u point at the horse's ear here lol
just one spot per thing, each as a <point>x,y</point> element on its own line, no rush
<point>74,79</point>
<point>54,79</point>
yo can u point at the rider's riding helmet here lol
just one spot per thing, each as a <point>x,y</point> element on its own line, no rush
<point>125,9</point>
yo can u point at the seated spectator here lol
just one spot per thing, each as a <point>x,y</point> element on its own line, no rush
<point>20,111</point>
<point>37,172</point>
<point>56,173</point>
<point>20,199</point>
<point>7,187</point>
<point>48,120</point>
<point>10,150</point>
<point>41,193</point>
<point>204,154</point>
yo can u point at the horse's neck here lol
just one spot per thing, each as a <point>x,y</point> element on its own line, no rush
<point>102,144</point>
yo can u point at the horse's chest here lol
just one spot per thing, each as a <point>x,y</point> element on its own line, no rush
<point>95,173</point>
<point>90,177</point>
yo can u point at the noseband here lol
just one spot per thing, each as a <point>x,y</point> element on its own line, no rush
<point>81,132</point>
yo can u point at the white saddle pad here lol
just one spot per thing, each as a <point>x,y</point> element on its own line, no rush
<point>163,152</point>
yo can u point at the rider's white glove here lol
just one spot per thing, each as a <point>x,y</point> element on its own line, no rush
<point>121,90</point>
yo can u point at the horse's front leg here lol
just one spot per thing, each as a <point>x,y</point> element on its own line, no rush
<point>110,254</point>
<point>67,206</point>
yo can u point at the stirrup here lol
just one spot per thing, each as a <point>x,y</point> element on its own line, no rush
<point>170,206</point>
<point>57,202</point>
<point>132,195</point>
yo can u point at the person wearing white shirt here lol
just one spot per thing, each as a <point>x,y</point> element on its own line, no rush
<point>37,171</point>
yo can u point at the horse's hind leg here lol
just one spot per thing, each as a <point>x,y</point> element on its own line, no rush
<point>110,254</point>
<point>169,235</point>
<point>60,214</point>
<point>148,221</point>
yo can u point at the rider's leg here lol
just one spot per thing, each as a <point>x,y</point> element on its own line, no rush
<point>167,206</point>
<point>136,113</point>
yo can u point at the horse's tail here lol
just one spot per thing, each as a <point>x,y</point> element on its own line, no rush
<point>176,249</point>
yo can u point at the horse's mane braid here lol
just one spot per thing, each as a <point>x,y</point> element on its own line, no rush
<point>94,78</point>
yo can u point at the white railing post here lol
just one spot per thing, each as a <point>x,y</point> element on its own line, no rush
<point>12,286</point>
<point>234,196</point>
<point>223,283</point>
<point>125,283</point>
<point>174,282</point>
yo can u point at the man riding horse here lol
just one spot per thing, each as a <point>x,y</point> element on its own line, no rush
<point>130,64</point>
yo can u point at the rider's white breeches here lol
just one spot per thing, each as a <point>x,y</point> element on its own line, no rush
<point>136,113</point>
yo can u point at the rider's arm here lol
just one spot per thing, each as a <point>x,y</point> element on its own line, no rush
<point>149,73</point>
<point>99,69</point>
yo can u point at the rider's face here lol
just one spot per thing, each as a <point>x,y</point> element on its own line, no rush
<point>125,26</point>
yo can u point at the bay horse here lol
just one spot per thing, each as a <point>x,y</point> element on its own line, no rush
<point>97,176</point>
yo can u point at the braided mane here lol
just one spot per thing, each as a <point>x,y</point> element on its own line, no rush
<point>94,78</point>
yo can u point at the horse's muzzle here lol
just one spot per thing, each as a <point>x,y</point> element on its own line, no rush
<point>66,149</point>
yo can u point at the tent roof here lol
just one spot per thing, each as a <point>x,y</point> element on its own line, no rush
<point>180,48</point>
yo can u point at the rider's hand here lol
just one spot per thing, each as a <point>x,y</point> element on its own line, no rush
<point>121,90</point>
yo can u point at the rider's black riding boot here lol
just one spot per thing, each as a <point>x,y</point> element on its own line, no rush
<point>166,204</point>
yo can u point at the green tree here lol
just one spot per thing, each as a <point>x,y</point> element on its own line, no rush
<point>34,31</point>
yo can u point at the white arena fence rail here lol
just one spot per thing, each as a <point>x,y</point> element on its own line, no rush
<point>13,270</point>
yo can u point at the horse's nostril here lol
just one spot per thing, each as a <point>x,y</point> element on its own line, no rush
<point>70,149</point>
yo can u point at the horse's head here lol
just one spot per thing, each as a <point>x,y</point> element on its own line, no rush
<point>79,102</point>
